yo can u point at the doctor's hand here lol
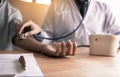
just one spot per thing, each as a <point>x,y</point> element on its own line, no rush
<point>60,49</point>
<point>33,28</point>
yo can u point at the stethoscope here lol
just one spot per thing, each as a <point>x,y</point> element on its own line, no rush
<point>67,35</point>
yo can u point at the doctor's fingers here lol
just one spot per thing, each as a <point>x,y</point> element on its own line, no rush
<point>69,47</point>
<point>34,28</point>
<point>29,33</point>
<point>23,25</point>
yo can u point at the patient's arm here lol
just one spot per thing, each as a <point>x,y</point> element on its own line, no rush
<point>29,44</point>
<point>53,49</point>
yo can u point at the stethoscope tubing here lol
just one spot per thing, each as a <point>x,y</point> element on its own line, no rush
<point>61,37</point>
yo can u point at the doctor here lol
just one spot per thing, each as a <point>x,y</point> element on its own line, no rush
<point>8,17</point>
<point>64,16</point>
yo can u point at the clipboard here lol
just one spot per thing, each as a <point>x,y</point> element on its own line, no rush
<point>10,65</point>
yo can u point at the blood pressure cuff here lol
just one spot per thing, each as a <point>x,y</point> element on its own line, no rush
<point>13,31</point>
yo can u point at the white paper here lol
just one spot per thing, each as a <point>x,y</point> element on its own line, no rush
<point>10,65</point>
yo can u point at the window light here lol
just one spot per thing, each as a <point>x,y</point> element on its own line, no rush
<point>43,1</point>
<point>27,0</point>
<point>47,2</point>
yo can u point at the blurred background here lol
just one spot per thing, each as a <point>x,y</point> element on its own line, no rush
<point>37,9</point>
<point>32,10</point>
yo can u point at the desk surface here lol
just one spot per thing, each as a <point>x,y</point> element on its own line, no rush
<point>80,65</point>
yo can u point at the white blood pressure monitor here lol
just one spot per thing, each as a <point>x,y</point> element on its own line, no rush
<point>106,45</point>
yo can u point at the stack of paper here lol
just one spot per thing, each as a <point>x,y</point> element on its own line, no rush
<point>11,67</point>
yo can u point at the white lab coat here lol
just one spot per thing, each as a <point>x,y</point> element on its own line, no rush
<point>63,17</point>
<point>8,14</point>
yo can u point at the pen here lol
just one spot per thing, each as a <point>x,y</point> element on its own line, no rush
<point>22,61</point>
<point>7,75</point>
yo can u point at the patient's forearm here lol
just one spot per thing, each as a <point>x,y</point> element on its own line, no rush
<point>30,44</point>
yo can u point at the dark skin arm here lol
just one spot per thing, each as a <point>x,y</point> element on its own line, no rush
<point>57,49</point>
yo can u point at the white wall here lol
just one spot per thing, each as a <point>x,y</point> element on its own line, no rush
<point>115,7</point>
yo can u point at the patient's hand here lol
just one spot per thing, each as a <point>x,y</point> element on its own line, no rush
<point>60,49</point>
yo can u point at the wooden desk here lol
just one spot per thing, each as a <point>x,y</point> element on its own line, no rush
<point>81,65</point>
